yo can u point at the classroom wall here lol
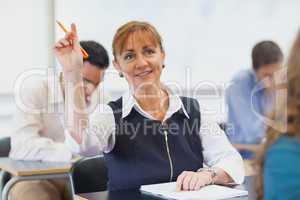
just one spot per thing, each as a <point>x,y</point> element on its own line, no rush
<point>26,39</point>
<point>204,39</point>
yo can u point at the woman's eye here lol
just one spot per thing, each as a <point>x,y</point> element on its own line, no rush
<point>128,56</point>
<point>149,51</point>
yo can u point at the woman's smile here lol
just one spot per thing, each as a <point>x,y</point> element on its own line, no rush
<point>143,73</point>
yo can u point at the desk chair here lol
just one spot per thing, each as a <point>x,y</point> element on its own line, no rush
<point>4,146</point>
<point>89,175</point>
<point>4,152</point>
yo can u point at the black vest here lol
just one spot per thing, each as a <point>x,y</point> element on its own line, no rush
<point>140,154</point>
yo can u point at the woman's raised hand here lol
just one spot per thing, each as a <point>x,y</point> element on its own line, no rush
<point>67,51</point>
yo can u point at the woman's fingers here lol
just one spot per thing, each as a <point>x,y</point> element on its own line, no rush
<point>186,181</point>
<point>65,42</point>
<point>189,180</point>
<point>74,31</point>
<point>179,181</point>
<point>69,36</point>
<point>70,39</point>
<point>75,40</point>
<point>62,43</point>
<point>193,182</point>
<point>58,45</point>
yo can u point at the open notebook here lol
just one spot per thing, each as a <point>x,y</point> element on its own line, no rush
<point>167,190</point>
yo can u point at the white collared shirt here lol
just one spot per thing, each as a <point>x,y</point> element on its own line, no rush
<point>38,124</point>
<point>217,151</point>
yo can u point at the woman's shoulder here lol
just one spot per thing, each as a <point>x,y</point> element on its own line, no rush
<point>282,163</point>
<point>284,151</point>
<point>285,143</point>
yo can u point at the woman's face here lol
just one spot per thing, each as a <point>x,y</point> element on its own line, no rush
<point>140,61</point>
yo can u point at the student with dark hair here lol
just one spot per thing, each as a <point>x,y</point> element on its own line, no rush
<point>39,131</point>
<point>249,98</point>
<point>94,50</point>
<point>265,53</point>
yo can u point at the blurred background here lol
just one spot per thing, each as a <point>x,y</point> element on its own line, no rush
<point>206,41</point>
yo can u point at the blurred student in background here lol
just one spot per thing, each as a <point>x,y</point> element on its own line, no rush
<point>39,131</point>
<point>279,162</point>
<point>250,97</point>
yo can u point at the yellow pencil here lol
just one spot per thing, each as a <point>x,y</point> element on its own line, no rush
<point>84,53</point>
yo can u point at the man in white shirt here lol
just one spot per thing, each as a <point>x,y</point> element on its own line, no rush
<point>39,130</point>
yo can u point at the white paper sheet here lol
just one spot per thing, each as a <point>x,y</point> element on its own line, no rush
<point>167,190</point>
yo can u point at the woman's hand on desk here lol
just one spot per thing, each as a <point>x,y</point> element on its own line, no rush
<point>189,180</point>
<point>67,51</point>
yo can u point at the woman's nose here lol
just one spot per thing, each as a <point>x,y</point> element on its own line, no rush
<point>141,61</point>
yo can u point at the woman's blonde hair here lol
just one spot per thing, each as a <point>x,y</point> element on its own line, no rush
<point>288,123</point>
<point>144,31</point>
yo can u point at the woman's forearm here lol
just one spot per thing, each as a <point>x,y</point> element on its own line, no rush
<point>76,118</point>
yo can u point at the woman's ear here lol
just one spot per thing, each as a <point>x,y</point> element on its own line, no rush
<point>116,65</point>
<point>163,58</point>
<point>118,68</point>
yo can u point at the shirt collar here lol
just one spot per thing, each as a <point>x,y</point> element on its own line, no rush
<point>257,83</point>
<point>253,74</point>
<point>175,104</point>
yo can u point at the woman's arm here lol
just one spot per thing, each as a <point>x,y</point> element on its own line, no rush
<point>189,180</point>
<point>89,134</point>
<point>219,155</point>
<point>98,137</point>
<point>68,53</point>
